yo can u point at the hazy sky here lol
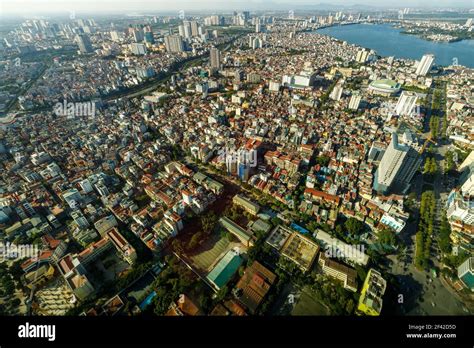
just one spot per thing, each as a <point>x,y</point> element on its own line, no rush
<point>104,6</point>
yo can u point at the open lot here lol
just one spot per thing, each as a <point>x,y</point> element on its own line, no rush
<point>210,252</point>
<point>307,304</point>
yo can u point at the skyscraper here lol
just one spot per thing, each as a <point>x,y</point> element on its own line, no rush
<point>397,167</point>
<point>115,35</point>
<point>138,48</point>
<point>149,37</point>
<point>406,103</point>
<point>187,29</point>
<point>425,64</point>
<point>336,93</point>
<point>362,56</point>
<point>84,43</point>
<point>255,42</point>
<point>181,30</point>
<point>138,35</point>
<point>215,57</point>
<point>354,102</point>
<point>174,43</point>
<point>194,28</point>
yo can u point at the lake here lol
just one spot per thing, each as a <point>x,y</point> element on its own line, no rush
<point>389,41</point>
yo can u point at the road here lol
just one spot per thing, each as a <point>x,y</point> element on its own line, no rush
<point>423,294</point>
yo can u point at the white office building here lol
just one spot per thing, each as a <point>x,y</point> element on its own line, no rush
<point>425,64</point>
<point>174,43</point>
<point>406,103</point>
<point>355,102</point>
<point>397,167</point>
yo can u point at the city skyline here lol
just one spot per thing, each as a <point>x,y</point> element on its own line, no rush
<point>110,6</point>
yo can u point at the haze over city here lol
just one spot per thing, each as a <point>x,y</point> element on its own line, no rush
<point>142,6</point>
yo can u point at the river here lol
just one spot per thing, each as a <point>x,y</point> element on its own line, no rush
<point>389,41</point>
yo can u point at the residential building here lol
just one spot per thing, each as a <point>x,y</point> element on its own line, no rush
<point>339,271</point>
<point>397,167</point>
<point>370,300</point>
<point>425,64</point>
<point>466,273</point>
<point>84,43</point>
<point>406,103</point>
<point>174,43</point>
<point>215,58</point>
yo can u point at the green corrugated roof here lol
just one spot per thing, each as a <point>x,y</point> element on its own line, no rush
<point>225,269</point>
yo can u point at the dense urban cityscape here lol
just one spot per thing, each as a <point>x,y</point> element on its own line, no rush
<point>235,164</point>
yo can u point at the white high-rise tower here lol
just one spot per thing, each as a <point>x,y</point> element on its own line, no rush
<point>425,64</point>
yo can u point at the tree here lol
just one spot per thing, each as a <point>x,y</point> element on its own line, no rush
<point>221,294</point>
<point>208,222</point>
<point>354,226</point>
<point>323,160</point>
<point>194,242</point>
<point>177,246</point>
<point>350,306</point>
<point>387,237</point>
<point>15,302</point>
<point>444,240</point>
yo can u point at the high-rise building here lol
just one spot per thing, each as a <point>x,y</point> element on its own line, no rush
<point>255,42</point>
<point>466,181</point>
<point>84,43</point>
<point>355,102</point>
<point>469,22</point>
<point>215,57</point>
<point>376,152</point>
<point>149,37</point>
<point>187,29</point>
<point>138,35</point>
<point>138,48</point>
<point>181,30</point>
<point>194,28</point>
<point>336,93</point>
<point>362,56</point>
<point>174,43</point>
<point>115,35</point>
<point>425,64</point>
<point>397,167</point>
<point>406,103</point>
<point>214,20</point>
<point>258,26</point>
